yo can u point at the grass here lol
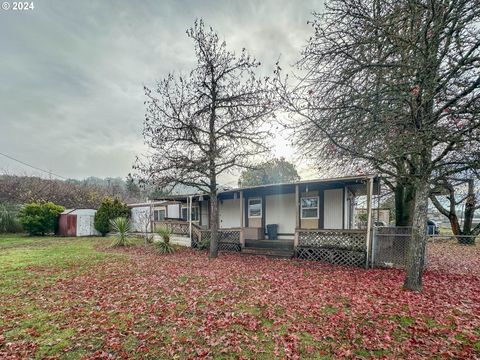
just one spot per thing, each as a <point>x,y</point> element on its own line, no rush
<point>79,298</point>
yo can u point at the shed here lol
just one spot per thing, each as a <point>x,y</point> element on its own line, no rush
<point>77,222</point>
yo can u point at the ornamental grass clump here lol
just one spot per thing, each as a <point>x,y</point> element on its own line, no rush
<point>122,229</point>
<point>164,246</point>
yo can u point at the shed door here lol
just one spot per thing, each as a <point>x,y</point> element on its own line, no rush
<point>71,225</point>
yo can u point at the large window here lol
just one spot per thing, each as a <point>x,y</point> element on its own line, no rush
<point>309,207</point>
<point>195,213</point>
<point>159,215</point>
<point>254,208</point>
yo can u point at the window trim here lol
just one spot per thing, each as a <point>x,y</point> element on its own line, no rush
<point>310,207</point>
<point>261,208</point>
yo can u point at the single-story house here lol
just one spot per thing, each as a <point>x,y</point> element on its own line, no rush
<point>77,222</point>
<point>305,213</point>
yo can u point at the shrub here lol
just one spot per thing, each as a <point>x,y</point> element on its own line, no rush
<point>164,247</point>
<point>109,210</point>
<point>40,218</point>
<point>9,222</point>
<point>122,228</point>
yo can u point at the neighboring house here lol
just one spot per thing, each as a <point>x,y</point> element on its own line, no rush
<point>77,222</point>
<point>311,216</point>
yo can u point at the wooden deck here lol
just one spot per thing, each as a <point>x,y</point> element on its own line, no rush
<point>271,248</point>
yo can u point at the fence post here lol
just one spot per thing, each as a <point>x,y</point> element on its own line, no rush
<point>374,246</point>
<point>369,219</point>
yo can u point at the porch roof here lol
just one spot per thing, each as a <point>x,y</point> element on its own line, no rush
<point>357,184</point>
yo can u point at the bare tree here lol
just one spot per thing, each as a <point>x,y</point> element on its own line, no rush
<point>145,220</point>
<point>393,85</point>
<point>459,190</point>
<point>207,123</point>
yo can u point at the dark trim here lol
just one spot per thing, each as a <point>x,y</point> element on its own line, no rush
<point>321,209</point>
<point>209,212</point>
<point>343,208</point>
<point>245,206</point>
<point>263,212</point>
<point>199,213</point>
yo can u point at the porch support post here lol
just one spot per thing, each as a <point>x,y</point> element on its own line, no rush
<point>369,219</point>
<point>297,215</point>
<point>297,207</point>
<point>242,220</point>
<point>152,218</point>
<point>190,218</point>
<point>242,224</point>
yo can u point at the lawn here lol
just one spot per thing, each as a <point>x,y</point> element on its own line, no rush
<point>78,298</point>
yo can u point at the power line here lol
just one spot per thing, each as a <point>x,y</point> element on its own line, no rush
<point>33,167</point>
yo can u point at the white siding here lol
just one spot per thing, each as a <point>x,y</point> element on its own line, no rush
<point>280,209</point>
<point>229,213</point>
<point>333,208</point>
<point>173,211</point>
<point>85,220</point>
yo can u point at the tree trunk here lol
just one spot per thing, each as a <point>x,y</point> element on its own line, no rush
<point>416,248</point>
<point>213,225</point>
<point>470,203</point>
<point>404,202</point>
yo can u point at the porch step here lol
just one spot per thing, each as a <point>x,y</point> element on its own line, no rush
<point>286,245</point>
<point>276,253</point>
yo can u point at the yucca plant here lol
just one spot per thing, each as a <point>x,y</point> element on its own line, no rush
<point>122,228</point>
<point>9,222</point>
<point>164,247</point>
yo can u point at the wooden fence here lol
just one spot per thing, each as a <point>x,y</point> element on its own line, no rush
<point>338,247</point>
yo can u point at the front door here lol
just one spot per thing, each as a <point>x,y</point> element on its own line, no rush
<point>71,225</point>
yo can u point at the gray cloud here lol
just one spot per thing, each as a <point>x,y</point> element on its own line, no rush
<point>72,73</point>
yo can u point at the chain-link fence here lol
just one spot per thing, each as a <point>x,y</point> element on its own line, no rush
<point>390,249</point>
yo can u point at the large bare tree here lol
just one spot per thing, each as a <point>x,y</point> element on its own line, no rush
<point>459,191</point>
<point>393,85</point>
<point>207,123</point>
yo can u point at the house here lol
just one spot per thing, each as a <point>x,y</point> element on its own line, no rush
<point>77,222</point>
<point>314,218</point>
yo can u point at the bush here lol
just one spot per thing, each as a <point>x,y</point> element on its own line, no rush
<point>164,247</point>
<point>122,228</point>
<point>109,210</point>
<point>9,222</point>
<point>40,218</point>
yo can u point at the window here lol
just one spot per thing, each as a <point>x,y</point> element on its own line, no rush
<point>254,208</point>
<point>309,207</point>
<point>159,215</point>
<point>195,213</point>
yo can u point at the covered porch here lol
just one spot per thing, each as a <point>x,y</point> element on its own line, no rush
<point>313,219</point>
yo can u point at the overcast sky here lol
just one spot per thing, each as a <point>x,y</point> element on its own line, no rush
<point>72,72</point>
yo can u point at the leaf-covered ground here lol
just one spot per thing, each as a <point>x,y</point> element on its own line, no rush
<point>76,298</point>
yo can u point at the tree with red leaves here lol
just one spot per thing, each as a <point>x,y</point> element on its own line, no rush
<point>394,86</point>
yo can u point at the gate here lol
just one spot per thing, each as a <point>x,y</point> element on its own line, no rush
<point>390,246</point>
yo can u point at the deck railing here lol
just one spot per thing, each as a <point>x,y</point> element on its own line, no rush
<point>228,239</point>
<point>339,247</point>
<point>178,227</point>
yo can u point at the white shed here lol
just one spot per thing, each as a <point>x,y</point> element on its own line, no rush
<point>77,222</point>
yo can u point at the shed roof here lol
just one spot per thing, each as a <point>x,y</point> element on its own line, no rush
<point>72,211</point>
